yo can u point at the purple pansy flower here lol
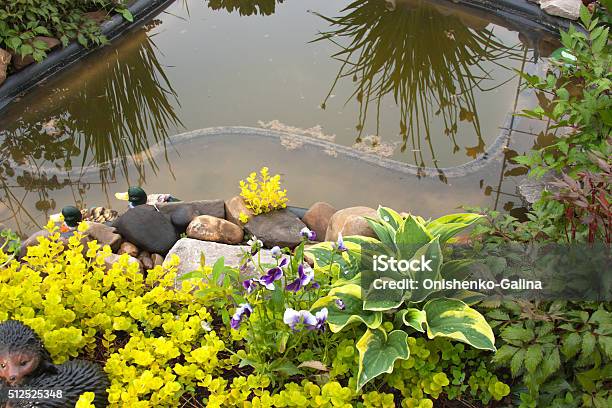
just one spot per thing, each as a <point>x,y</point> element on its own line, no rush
<point>321,317</point>
<point>272,275</point>
<point>249,285</point>
<point>305,276</point>
<point>308,233</point>
<point>340,304</point>
<point>340,244</point>
<point>244,310</point>
<point>293,318</point>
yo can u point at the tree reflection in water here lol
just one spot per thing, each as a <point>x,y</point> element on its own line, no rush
<point>246,7</point>
<point>108,117</point>
<point>430,62</point>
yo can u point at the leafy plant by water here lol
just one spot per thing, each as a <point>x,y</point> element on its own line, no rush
<point>430,63</point>
<point>22,21</point>
<point>575,94</point>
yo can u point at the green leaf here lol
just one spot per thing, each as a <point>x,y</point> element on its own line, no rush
<point>390,216</point>
<point>449,225</point>
<point>454,319</point>
<point>533,357</point>
<point>433,253</point>
<point>516,363</point>
<point>353,311</point>
<point>504,354</point>
<point>378,353</point>
<point>571,345</point>
<point>411,236</point>
<point>412,317</point>
<point>585,16</point>
<point>13,42</point>
<point>197,274</point>
<point>127,14</point>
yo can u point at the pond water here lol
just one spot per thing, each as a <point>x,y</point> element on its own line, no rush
<point>425,83</point>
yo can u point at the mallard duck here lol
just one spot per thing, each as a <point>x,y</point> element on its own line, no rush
<point>71,218</point>
<point>136,196</point>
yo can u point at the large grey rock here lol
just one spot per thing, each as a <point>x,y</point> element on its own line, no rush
<point>5,60</point>
<point>190,250</point>
<point>147,228</point>
<point>530,190</point>
<point>562,8</point>
<point>182,213</point>
<point>280,227</point>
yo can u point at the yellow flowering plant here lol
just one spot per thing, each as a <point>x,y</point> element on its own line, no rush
<point>263,194</point>
<point>168,346</point>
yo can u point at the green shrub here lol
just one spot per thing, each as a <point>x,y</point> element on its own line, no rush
<point>23,20</point>
<point>579,90</point>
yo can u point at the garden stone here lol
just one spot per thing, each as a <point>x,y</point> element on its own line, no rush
<point>128,248</point>
<point>233,207</point>
<point>157,259</point>
<point>105,235</point>
<point>147,228</point>
<point>317,218</point>
<point>145,260</point>
<point>208,228</point>
<point>5,60</point>
<point>114,258</point>
<point>189,252</point>
<point>280,227</point>
<point>351,221</point>
<point>182,213</point>
<point>562,8</point>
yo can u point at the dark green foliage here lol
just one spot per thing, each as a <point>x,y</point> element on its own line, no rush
<point>560,351</point>
<point>23,20</point>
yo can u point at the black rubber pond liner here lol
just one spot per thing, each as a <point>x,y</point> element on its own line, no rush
<point>29,77</point>
<point>523,13</point>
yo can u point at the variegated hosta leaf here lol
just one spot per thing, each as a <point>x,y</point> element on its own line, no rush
<point>448,226</point>
<point>378,352</point>
<point>429,252</point>
<point>412,317</point>
<point>322,254</point>
<point>454,319</point>
<point>411,236</point>
<point>348,311</point>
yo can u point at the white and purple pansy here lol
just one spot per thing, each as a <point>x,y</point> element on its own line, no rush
<point>308,234</point>
<point>273,275</point>
<point>249,285</point>
<point>243,310</point>
<point>303,318</point>
<point>305,276</point>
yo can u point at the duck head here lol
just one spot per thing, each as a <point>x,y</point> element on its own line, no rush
<point>135,195</point>
<point>72,216</point>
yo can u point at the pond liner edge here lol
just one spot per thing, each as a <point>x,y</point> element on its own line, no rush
<point>522,12</point>
<point>34,74</point>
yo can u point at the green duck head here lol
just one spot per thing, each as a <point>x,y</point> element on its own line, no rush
<point>135,195</point>
<point>72,216</point>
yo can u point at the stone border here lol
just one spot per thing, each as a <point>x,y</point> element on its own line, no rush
<point>494,152</point>
<point>29,77</point>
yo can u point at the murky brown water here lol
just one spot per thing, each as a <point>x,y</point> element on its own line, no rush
<point>435,84</point>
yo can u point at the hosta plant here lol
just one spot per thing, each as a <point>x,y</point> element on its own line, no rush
<point>350,301</point>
